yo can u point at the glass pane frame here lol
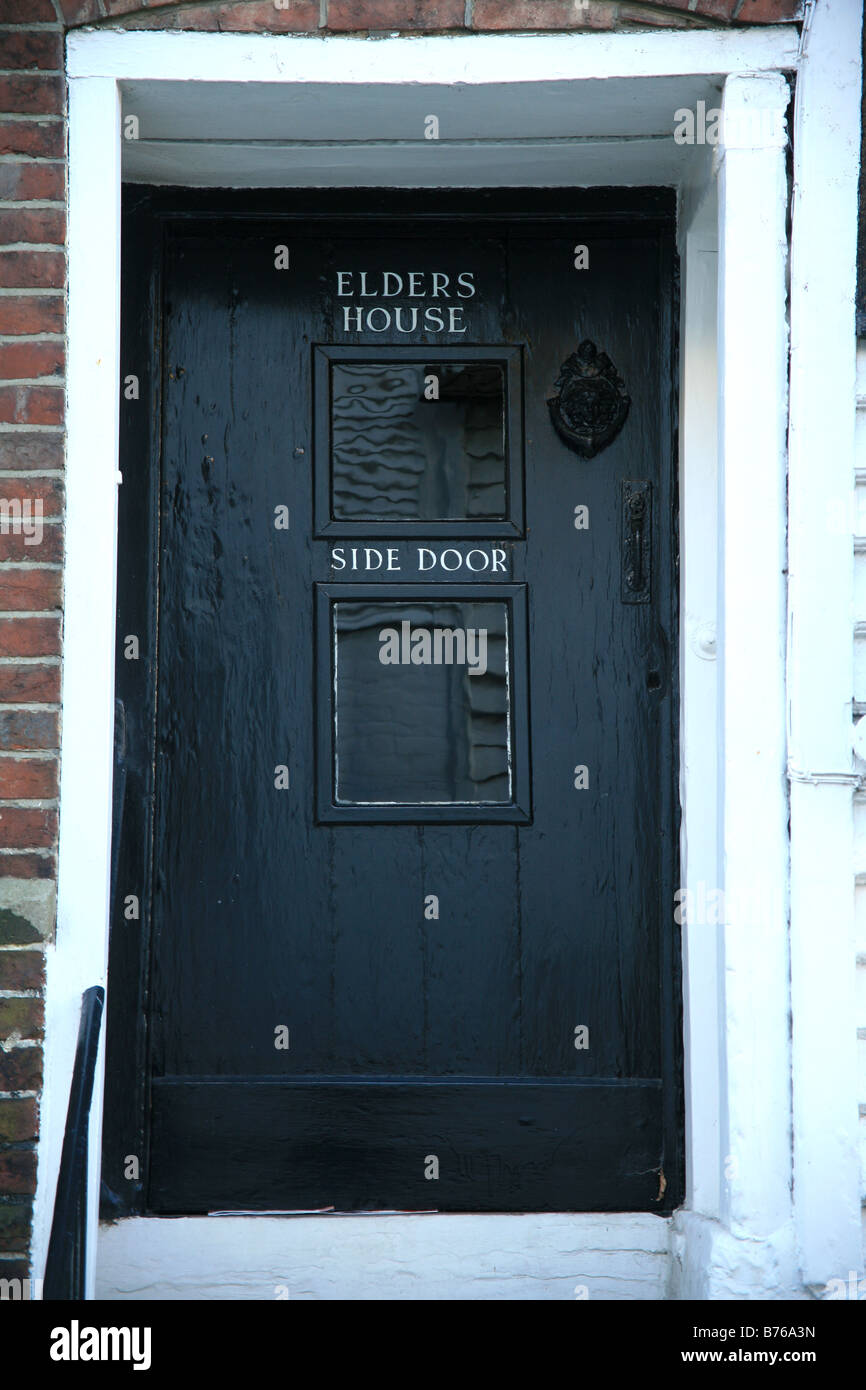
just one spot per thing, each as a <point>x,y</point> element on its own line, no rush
<point>328,810</point>
<point>509,357</point>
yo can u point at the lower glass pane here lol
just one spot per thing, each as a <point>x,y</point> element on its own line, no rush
<point>421,703</point>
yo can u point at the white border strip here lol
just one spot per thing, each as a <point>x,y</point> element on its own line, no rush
<point>753,196</point>
<point>821,646</point>
<point>79,955</point>
<point>469,58</point>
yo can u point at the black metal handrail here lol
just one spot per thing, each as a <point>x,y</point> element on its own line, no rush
<point>65,1268</point>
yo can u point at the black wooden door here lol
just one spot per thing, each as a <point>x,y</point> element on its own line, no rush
<point>409,939</point>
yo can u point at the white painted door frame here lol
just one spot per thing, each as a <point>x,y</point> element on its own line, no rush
<point>741,1232</point>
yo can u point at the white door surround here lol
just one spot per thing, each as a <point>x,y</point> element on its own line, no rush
<point>764,1218</point>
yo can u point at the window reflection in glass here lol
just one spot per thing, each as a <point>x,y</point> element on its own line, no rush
<point>416,442</point>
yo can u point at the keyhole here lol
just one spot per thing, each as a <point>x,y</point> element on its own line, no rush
<point>637,552</point>
<point>637,514</point>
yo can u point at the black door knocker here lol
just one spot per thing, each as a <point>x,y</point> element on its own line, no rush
<point>592,403</point>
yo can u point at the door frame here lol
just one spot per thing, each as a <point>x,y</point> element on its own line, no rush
<point>739,1059</point>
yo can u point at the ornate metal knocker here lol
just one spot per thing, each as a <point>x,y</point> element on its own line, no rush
<point>592,404</point>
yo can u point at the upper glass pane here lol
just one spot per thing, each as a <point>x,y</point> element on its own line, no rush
<point>417,442</point>
<point>421,703</point>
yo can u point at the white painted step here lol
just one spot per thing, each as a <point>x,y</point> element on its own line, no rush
<point>443,1257</point>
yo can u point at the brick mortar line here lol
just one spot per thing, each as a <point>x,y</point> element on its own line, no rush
<point>30,613</point>
<point>31,706</point>
<point>32,204</point>
<point>21,339</point>
<point>24,805</point>
<point>20,993</point>
<point>28,566</point>
<point>53,381</point>
<point>15,427</point>
<point>30,803</point>
<point>31,946</point>
<point>29,660</point>
<point>35,117</point>
<point>21,755</point>
<point>31,292</point>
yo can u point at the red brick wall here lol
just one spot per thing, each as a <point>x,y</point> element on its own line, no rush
<point>32,282</point>
<point>32,350</point>
<point>358,16</point>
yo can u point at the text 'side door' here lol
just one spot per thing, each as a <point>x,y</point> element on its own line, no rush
<point>410,936</point>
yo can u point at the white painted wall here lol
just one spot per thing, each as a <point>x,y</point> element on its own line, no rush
<point>851,514</point>
<point>820,676</point>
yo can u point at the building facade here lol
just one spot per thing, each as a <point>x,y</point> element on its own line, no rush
<point>687,388</point>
